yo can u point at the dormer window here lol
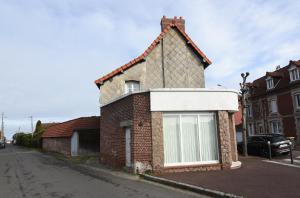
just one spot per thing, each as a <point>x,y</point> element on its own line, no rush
<point>270,83</point>
<point>132,86</point>
<point>294,74</point>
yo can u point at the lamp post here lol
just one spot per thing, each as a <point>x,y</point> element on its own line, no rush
<point>244,90</point>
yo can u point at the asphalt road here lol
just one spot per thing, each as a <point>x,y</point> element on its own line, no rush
<point>26,173</point>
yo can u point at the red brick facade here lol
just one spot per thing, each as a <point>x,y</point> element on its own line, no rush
<point>132,111</point>
<point>147,152</point>
<point>283,93</point>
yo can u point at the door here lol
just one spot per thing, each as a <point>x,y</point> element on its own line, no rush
<point>74,144</point>
<point>128,147</point>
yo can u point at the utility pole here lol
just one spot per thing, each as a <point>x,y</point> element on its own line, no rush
<point>31,118</point>
<point>244,90</point>
<point>2,126</point>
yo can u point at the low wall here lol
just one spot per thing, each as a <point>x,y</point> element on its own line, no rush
<point>60,145</point>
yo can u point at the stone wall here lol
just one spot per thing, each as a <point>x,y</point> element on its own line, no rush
<point>157,141</point>
<point>60,145</point>
<point>224,139</point>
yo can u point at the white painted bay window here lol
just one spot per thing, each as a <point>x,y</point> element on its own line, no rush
<point>190,138</point>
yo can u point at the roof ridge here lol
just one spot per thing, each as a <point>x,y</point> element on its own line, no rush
<point>148,50</point>
<point>74,119</point>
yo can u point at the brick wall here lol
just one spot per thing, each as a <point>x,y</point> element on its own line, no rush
<point>60,145</point>
<point>132,111</point>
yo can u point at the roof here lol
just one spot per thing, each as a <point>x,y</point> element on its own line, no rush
<point>47,125</point>
<point>149,50</point>
<point>260,87</point>
<point>66,129</point>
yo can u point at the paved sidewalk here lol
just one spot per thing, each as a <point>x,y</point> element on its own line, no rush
<point>255,178</point>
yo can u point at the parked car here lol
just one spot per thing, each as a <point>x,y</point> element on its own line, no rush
<point>2,143</point>
<point>258,145</point>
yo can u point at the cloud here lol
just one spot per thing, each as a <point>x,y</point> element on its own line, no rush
<point>53,50</point>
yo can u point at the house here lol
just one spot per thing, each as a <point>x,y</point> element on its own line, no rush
<point>274,102</point>
<point>157,115</point>
<point>79,136</point>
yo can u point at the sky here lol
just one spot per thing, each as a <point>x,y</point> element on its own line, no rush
<point>51,51</point>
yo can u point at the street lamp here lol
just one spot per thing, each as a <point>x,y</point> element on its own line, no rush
<point>244,90</point>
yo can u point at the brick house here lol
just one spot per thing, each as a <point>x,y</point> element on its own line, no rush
<point>274,102</point>
<point>74,137</point>
<point>157,115</point>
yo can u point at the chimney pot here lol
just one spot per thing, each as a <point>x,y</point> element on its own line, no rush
<point>180,22</point>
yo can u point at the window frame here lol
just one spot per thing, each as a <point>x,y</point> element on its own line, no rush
<point>297,102</point>
<point>292,74</point>
<point>130,89</point>
<point>278,127</point>
<point>180,114</point>
<point>270,83</point>
<point>271,105</point>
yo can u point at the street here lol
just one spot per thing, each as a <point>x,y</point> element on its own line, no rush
<point>29,173</point>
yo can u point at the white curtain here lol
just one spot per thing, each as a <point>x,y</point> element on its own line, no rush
<point>208,138</point>
<point>189,138</point>
<point>171,139</point>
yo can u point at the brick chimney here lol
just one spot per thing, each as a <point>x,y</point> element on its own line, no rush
<point>180,22</point>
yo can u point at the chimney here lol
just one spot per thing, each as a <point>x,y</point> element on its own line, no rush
<point>180,22</point>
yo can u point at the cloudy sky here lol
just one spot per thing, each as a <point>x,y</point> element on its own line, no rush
<point>51,51</point>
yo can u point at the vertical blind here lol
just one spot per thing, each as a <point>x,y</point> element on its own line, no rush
<point>190,138</point>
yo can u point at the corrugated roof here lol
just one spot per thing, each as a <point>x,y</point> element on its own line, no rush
<point>66,129</point>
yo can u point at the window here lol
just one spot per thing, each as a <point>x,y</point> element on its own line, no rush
<point>249,110</point>
<point>275,127</point>
<point>132,86</point>
<point>297,100</point>
<point>270,83</point>
<point>250,129</point>
<point>294,74</point>
<point>273,106</point>
<point>190,139</point>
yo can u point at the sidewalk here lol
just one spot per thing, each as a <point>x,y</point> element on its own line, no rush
<point>255,178</point>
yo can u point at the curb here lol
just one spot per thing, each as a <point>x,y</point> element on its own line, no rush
<point>184,186</point>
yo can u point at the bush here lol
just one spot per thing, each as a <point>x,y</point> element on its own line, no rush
<point>23,139</point>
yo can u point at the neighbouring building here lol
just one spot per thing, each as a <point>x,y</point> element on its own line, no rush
<point>74,137</point>
<point>273,102</point>
<point>157,115</point>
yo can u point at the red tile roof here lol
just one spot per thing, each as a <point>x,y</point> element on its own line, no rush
<point>150,48</point>
<point>260,86</point>
<point>66,129</point>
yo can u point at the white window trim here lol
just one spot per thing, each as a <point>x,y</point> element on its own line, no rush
<point>296,102</point>
<point>249,110</point>
<point>291,74</point>
<point>130,89</point>
<point>271,106</point>
<point>271,85</point>
<point>278,127</point>
<point>198,162</point>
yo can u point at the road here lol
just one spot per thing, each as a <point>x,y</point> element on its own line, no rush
<point>27,173</point>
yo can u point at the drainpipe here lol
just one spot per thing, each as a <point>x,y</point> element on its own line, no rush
<point>163,62</point>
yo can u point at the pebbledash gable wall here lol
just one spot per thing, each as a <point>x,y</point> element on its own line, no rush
<point>182,68</point>
<point>60,145</point>
<point>147,150</point>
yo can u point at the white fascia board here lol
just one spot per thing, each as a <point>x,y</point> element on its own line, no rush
<point>189,99</point>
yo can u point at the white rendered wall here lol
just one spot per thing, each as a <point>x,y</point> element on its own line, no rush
<point>193,99</point>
